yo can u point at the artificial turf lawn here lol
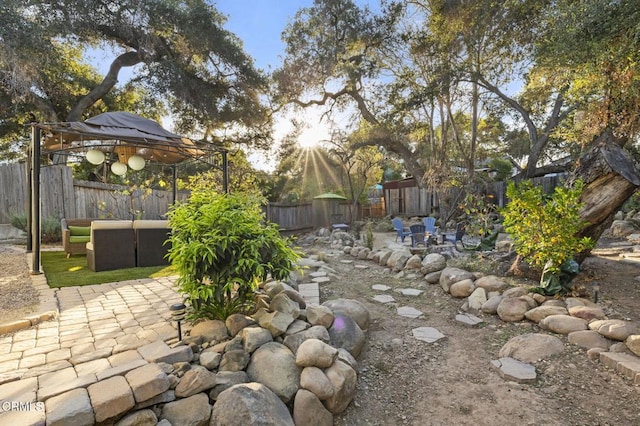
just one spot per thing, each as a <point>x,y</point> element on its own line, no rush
<point>63,272</point>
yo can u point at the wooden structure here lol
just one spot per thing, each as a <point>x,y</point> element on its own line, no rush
<point>113,137</point>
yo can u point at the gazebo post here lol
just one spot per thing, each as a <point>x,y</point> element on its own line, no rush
<point>28,199</point>
<point>225,172</point>
<point>174,174</point>
<point>35,201</point>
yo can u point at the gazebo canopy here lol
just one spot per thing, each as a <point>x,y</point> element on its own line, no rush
<point>117,131</point>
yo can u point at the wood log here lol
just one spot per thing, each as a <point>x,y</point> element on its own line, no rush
<point>610,177</point>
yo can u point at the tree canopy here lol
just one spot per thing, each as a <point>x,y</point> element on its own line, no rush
<point>447,85</point>
<point>181,59</point>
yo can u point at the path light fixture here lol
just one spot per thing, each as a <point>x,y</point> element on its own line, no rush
<point>178,312</point>
<point>596,290</point>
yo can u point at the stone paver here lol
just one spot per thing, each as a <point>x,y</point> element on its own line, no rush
<point>81,361</point>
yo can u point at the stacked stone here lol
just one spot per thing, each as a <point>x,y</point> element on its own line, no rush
<point>289,363</point>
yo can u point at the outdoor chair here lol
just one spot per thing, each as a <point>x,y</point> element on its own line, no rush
<point>430,225</point>
<point>417,234</point>
<point>455,236</point>
<point>401,230</point>
<point>151,245</point>
<point>112,245</point>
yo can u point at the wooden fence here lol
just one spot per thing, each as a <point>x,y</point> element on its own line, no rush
<point>404,198</point>
<point>290,217</point>
<point>62,196</point>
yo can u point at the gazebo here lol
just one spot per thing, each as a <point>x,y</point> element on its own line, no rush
<point>120,139</point>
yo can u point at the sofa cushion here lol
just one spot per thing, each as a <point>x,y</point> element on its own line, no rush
<point>83,231</point>
<point>79,239</point>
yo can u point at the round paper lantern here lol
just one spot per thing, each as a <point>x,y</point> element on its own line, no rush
<point>118,168</point>
<point>136,162</point>
<point>95,156</point>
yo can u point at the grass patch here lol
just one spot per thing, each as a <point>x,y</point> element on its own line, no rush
<point>63,272</point>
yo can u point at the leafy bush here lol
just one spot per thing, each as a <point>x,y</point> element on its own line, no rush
<point>222,249</point>
<point>544,230</point>
<point>369,238</point>
<point>50,227</point>
<point>19,221</point>
<point>51,230</point>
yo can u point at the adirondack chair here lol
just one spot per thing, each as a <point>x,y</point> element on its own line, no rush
<point>430,225</point>
<point>457,236</point>
<point>401,230</point>
<point>417,234</point>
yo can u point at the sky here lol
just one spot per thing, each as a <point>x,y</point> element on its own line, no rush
<point>259,24</point>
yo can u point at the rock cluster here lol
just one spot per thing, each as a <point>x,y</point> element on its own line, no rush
<point>289,363</point>
<point>616,343</point>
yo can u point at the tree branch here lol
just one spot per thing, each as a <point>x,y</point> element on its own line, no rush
<point>127,59</point>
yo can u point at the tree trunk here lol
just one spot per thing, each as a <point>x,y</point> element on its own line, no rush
<point>610,178</point>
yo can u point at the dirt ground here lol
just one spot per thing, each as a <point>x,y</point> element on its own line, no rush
<point>450,382</point>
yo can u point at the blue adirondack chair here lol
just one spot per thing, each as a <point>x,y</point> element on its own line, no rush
<point>417,235</point>
<point>401,231</point>
<point>430,225</point>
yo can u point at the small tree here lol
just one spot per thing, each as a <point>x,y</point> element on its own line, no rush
<point>545,229</point>
<point>222,249</point>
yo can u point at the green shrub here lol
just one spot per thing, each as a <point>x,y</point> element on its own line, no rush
<point>544,231</point>
<point>50,228</point>
<point>222,249</point>
<point>19,221</point>
<point>369,238</point>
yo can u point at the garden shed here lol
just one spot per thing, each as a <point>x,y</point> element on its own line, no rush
<point>328,209</point>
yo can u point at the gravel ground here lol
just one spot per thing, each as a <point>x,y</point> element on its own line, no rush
<point>18,298</point>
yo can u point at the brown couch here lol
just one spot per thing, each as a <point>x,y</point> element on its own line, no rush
<point>151,242</point>
<point>112,245</point>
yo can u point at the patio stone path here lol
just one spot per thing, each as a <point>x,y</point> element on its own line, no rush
<point>83,339</point>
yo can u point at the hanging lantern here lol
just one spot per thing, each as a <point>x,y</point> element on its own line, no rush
<point>118,168</point>
<point>136,162</point>
<point>95,156</point>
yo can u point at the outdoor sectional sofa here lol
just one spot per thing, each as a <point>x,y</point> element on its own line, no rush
<point>119,244</point>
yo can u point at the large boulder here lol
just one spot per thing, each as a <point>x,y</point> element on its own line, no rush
<point>491,283</point>
<point>563,324</point>
<point>345,333</point>
<point>192,411</point>
<point>308,410</point>
<point>315,353</point>
<point>452,275</point>
<point>398,259</point>
<point>512,309</point>
<point>462,288</point>
<point>433,262</point>
<point>541,312</point>
<point>294,341</point>
<point>344,380</point>
<point>210,330</point>
<point>531,347</point>
<point>614,329</point>
<point>274,365</point>
<point>314,380</point>
<point>351,308</point>
<point>249,404</point>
